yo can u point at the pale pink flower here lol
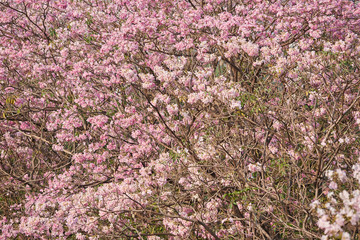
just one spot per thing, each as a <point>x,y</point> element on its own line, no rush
<point>254,167</point>
<point>251,49</point>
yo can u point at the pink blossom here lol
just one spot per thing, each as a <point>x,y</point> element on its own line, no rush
<point>251,49</point>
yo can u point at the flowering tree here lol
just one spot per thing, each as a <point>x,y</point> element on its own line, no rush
<point>182,119</point>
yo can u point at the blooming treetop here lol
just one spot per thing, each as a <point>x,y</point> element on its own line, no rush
<point>153,119</point>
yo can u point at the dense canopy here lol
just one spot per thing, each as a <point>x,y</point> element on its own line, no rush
<point>179,119</point>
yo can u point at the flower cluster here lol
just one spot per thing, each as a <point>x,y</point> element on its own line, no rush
<point>153,119</point>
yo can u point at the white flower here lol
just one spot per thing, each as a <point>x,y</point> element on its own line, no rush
<point>236,104</point>
<point>254,167</point>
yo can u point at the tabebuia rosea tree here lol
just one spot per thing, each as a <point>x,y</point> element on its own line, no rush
<point>179,119</point>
